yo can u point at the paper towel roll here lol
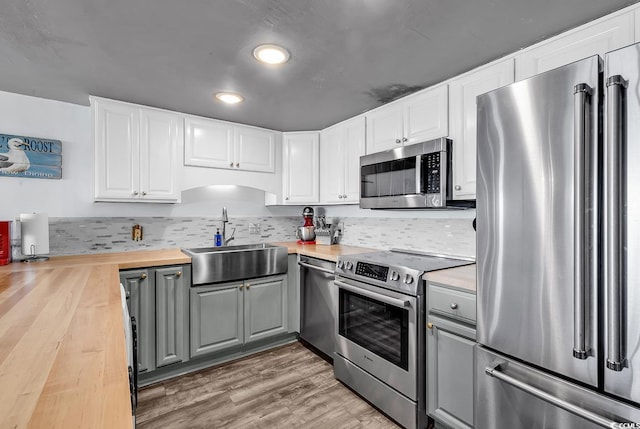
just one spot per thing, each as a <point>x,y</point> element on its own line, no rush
<point>34,230</point>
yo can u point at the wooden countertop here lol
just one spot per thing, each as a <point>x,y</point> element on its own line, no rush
<point>328,253</point>
<point>463,278</point>
<point>62,351</point>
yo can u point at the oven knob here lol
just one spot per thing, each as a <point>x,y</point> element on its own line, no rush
<point>408,279</point>
<point>340,264</point>
<point>349,265</point>
<point>395,276</point>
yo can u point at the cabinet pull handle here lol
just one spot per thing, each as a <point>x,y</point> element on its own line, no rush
<point>134,193</point>
<point>231,164</point>
<point>128,294</point>
<point>179,273</point>
<point>430,325</point>
<point>248,285</point>
<point>398,141</point>
<point>144,193</point>
<point>241,287</point>
<point>344,196</point>
<point>404,139</point>
<point>458,187</point>
<point>237,164</point>
<point>287,198</point>
<point>453,305</point>
<point>143,276</point>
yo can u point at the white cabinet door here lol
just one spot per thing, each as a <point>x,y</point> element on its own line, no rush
<point>384,128</point>
<point>161,138</point>
<point>592,39</point>
<point>463,118</point>
<point>117,155</point>
<point>209,143</point>
<point>301,168</point>
<point>255,149</point>
<point>332,165</point>
<point>341,147</point>
<point>426,115</point>
<point>354,148</point>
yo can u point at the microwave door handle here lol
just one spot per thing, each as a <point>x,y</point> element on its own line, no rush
<point>613,237</point>
<point>581,211</point>
<point>374,295</point>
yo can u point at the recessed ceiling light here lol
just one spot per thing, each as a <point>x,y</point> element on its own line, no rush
<point>229,97</point>
<point>271,54</point>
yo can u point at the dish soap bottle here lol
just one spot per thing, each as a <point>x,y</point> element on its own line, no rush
<point>218,238</point>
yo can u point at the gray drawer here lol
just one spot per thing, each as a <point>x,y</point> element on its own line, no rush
<point>452,303</point>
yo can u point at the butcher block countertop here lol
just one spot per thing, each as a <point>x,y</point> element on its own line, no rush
<point>328,253</point>
<point>62,350</point>
<point>463,278</point>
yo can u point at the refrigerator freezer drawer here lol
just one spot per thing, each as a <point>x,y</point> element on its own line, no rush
<point>518,396</point>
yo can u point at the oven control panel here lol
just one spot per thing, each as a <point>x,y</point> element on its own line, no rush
<point>377,272</point>
<point>389,276</point>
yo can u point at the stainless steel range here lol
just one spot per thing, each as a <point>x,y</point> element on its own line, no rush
<point>380,340</point>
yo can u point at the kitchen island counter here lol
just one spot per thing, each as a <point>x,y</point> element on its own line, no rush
<point>62,350</point>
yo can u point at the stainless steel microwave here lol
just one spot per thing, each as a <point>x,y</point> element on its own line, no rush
<point>409,177</point>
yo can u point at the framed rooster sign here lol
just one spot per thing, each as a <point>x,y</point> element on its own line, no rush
<point>30,157</point>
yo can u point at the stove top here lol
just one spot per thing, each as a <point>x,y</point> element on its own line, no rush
<point>398,270</point>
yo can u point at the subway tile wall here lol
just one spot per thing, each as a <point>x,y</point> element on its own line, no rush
<point>70,236</point>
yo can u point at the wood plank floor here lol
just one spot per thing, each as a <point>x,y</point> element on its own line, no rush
<point>288,387</point>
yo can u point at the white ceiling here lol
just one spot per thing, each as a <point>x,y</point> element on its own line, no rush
<point>347,56</point>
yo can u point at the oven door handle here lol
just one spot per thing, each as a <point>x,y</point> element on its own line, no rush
<point>374,295</point>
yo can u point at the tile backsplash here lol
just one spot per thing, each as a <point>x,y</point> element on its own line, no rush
<point>68,236</point>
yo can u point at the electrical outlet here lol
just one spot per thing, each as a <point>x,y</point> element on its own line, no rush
<point>254,228</point>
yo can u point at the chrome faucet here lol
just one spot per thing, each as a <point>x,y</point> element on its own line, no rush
<point>225,219</point>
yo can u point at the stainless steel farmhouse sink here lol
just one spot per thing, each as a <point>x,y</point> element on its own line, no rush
<point>229,263</point>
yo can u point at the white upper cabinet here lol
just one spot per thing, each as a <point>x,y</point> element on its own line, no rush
<point>462,114</point>
<point>413,119</point>
<point>384,128</point>
<point>219,144</point>
<point>300,174</point>
<point>137,152</point>
<point>341,147</point>
<point>595,38</point>
<point>208,143</point>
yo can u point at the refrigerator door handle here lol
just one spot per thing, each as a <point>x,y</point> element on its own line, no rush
<point>495,370</point>
<point>581,245</point>
<point>614,148</point>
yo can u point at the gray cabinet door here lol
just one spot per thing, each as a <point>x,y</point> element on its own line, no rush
<point>265,308</point>
<point>141,301</point>
<point>172,322</point>
<point>293,294</point>
<point>216,318</point>
<point>450,378</point>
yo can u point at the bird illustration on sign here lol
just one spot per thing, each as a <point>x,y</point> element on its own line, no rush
<point>14,161</point>
<point>30,157</point>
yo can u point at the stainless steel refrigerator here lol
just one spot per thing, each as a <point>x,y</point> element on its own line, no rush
<point>558,248</point>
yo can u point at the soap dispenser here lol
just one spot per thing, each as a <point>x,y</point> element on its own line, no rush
<point>218,238</point>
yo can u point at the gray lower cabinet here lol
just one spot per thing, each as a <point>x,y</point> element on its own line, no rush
<point>450,376</point>
<point>265,308</point>
<point>232,314</point>
<point>172,319</point>
<point>451,341</point>
<point>216,318</point>
<point>141,299</point>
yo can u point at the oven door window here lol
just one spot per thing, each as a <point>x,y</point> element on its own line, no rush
<point>397,177</point>
<point>381,328</point>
